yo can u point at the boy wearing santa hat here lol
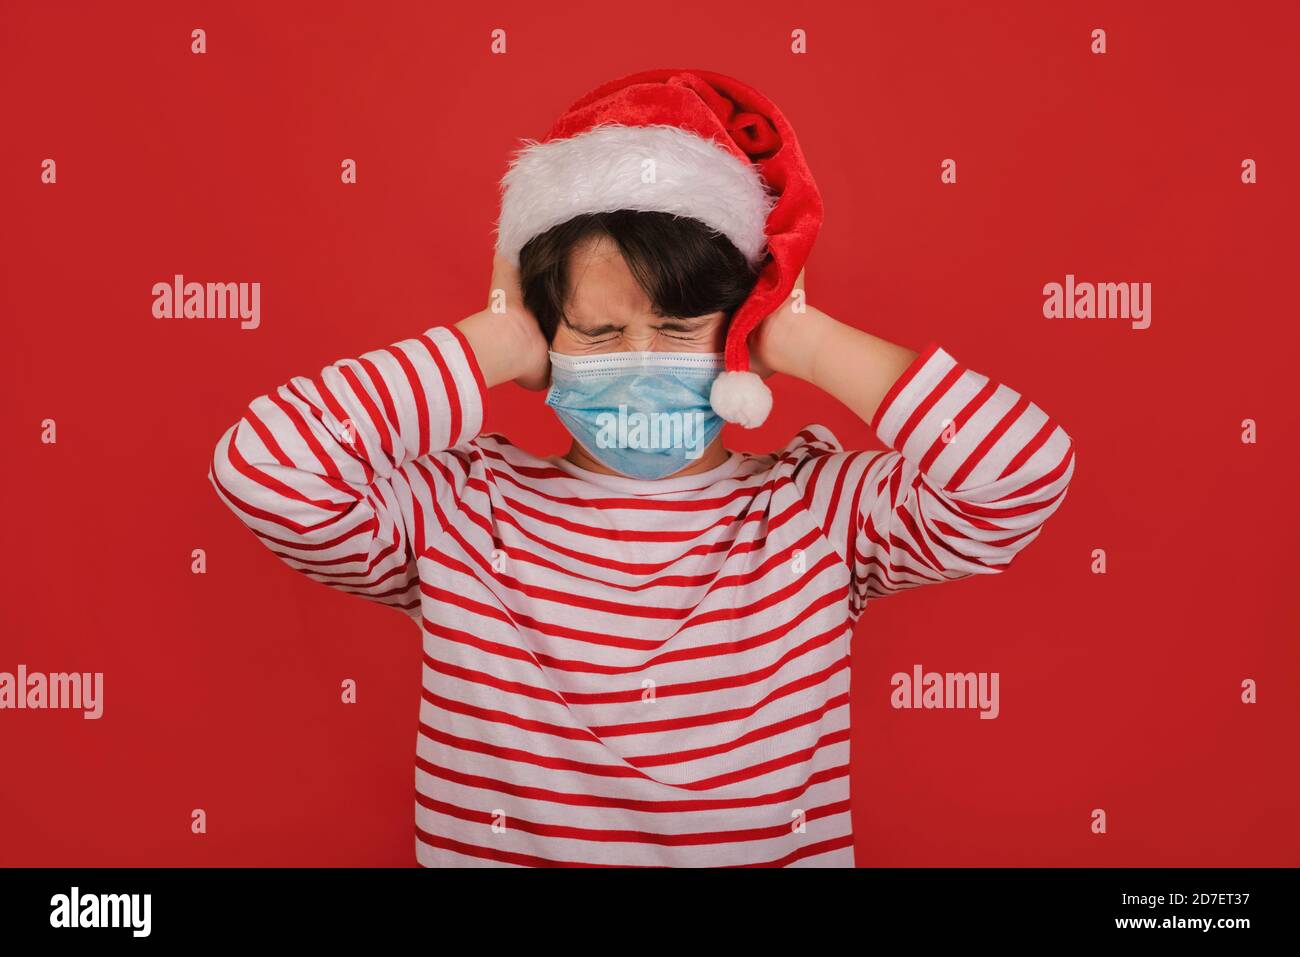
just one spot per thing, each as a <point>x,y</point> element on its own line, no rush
<point>638,653</point>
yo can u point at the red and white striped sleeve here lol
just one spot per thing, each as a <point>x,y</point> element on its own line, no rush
<point>312,468</point>
<point>974,471</point>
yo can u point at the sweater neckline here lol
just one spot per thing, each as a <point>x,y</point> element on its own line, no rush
<point>633,486</point>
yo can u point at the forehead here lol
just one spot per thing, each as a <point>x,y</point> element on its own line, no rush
<point>601,286</point>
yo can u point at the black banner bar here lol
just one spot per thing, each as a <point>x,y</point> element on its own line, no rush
<point>209,906</point>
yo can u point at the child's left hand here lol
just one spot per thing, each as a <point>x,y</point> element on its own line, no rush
<point>785,340</point>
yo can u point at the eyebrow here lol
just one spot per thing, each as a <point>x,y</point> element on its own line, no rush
<point>684,325</point>
<point>591,330</point>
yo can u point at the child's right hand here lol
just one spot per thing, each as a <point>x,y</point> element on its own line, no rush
<point>506,339</point>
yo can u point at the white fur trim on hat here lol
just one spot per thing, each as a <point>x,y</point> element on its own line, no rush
<point>741,397</point>
<point>661,169</point>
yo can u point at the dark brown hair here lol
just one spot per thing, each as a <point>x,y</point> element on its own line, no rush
<point>685,268</point>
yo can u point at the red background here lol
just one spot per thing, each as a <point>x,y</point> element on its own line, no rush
<point>1119,692</point>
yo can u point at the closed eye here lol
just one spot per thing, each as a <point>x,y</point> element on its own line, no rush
<point>683,330</point>
<point>594,335</point>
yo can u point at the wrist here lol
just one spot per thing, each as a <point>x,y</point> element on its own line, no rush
<point>496,344</point>
<point>803,341</point>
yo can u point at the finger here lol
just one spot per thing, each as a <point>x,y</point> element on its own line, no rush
<point>504,268</point>
<point>505,277</point>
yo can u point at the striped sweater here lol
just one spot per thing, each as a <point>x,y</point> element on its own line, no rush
<point>623,672</point>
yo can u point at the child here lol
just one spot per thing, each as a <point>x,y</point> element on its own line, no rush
<point>638,653</point>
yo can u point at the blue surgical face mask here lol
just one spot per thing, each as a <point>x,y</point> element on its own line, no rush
<point>643,414</point>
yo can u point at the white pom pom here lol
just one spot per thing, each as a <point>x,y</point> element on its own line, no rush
<point>741,397</point>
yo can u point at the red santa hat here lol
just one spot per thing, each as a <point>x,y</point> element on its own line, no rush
<point>722,154</point>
